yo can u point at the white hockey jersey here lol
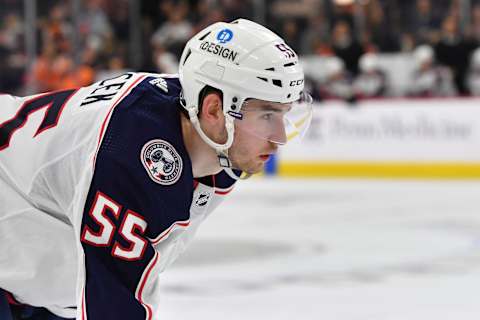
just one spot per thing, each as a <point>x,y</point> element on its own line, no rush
<point>97,196</point>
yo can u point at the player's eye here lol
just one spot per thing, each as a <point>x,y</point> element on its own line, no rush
<point>267,116</point>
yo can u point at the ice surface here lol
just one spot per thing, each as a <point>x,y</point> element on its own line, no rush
<point>333,249</point>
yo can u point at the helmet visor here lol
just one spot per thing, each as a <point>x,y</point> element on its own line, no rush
<point>276,122</point>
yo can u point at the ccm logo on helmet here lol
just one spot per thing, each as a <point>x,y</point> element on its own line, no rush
<point>218,50</point>
<point>295,83</point>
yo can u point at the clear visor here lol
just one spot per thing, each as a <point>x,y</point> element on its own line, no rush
<point>276,122</point>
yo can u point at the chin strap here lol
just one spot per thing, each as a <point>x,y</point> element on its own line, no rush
<point>227,167</point>
<point>220,149</point>
<point>217,146</point>
<point>232,174</point>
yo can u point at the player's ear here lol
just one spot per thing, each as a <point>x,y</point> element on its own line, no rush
<point>212,110</point>
<point>212,119</point>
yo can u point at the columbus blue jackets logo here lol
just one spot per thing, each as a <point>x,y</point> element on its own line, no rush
<point>162,162</point>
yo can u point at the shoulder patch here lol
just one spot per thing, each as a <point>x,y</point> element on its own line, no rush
<point>162,162</point>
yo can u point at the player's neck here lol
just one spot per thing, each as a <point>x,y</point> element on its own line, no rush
<point>203,157</point>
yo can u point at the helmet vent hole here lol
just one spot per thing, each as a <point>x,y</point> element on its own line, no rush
<point>204,36</point>
<point>289,64</point>
<point>264,79</point>
<point>289,95</point>
<point>277,82</point>
<point>270,69</point>
<point>187,55</point>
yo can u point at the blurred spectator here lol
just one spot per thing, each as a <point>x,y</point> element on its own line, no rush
<point>316,31</point>
<point>338,82</point>
<point>235,9</point>
<point>165,62</point>
<point>295,9</point>
<point>84,73</point>
<point>430,80</point>
<point>379,29</point>
<point>95,26</point>
<point>208,13</point>
<point>69,76</point>
<point>175,32</point>
<point>291,34</point>
<point>115,66</point>
<point>63,71</point>
<point>423,22</point>
<point>12,57</point>
<point>342,11</point>
<point>475,27</point>
<point>473,78</point>
<point>155,12</point>
<point>372,80</point>
<point>56,29</point>
<point>12,31</point>
<point>119,20</point>
<point>54,71</point>
<point>43,78</point>
<point>407,42</point>
<point>345,46</point>
<point>453,51</point>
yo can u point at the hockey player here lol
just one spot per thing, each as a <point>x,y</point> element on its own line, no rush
<point>102,187</point>
<point>338,81</point>
<point>473,77</point>
<point>428,78</point>
<point>372,80</point>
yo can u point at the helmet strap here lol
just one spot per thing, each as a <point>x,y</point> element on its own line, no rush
<point>233,175</point>
<point>221,149</point>
<point>192,113</point>
<point>224,160</point>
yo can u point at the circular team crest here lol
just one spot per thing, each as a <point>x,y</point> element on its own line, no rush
<point>162,162</point>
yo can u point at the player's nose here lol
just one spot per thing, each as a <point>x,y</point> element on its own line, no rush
<point>279,134</point>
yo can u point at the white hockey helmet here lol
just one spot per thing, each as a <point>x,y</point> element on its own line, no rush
<point>333,66</point>
<point>423,54</point>
<point>243,60</point>
<point>475,59</point>
<point>368,62</point>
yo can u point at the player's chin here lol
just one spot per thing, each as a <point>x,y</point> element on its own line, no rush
<point>254,168</point>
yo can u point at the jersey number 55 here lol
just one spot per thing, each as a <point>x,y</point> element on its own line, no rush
<point>131,229</point>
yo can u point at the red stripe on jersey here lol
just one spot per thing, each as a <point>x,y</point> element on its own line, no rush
<point>142,286</point>
<point>59,112</point>
<point>223,192</point>
<point>165,233</point>
<point>219,191</point>
<point>83,304</point>
<point>102,130</point>
<point>10,298</point>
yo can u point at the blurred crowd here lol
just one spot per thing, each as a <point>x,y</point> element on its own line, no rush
<point>76,47</point>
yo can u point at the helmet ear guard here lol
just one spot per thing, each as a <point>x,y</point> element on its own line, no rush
<point>243,60</point>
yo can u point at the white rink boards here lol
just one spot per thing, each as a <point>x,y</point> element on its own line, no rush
<point>333,249</point>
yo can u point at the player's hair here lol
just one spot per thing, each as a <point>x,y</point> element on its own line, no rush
<point>206,91</point>
<point>203,93</point>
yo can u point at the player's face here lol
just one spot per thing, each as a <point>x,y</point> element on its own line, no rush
<point>258,134</point>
